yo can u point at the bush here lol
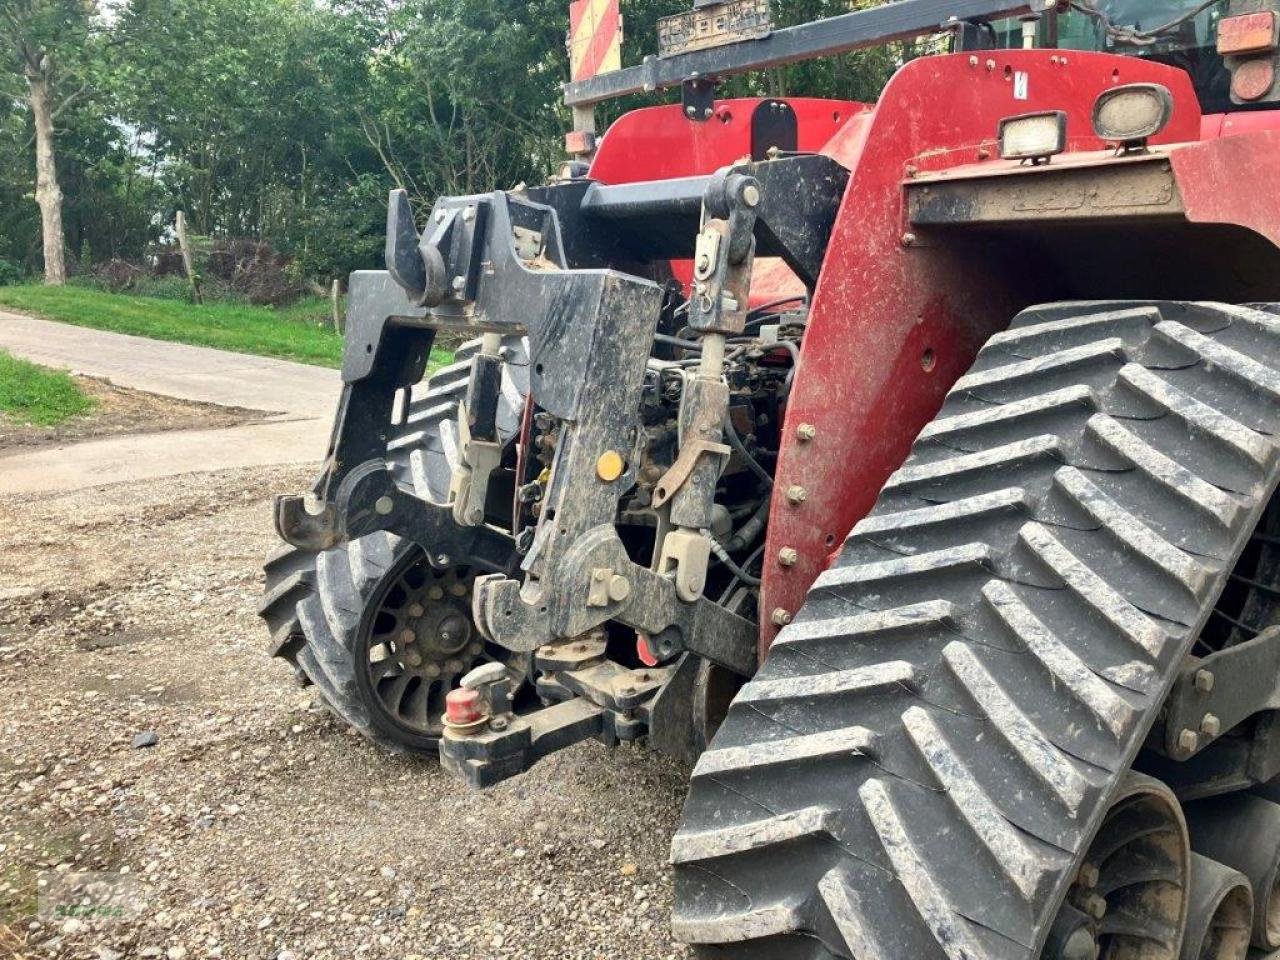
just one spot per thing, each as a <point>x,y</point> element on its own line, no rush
<point>10,273</point>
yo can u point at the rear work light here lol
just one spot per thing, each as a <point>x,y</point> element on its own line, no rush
<point>1033,136</point>
<point>1130,114</point>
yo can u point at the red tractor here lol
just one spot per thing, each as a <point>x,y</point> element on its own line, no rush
<point>909,467</point>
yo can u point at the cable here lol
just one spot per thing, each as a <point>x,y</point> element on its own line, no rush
<point>727,560</point>
<point>677,342</point>
<point>1133,36</point>
<point>736,442</point>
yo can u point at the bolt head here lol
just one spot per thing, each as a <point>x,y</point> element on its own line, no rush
<point>459,284</point>
<point>797,494</point>
<point>498,723</point>
<point>383,506</point>
<point>1188,740</point>
<point>806,432</point>
<point>442,559</point>
<point>788,556</point>
<point>691,110</point>
<point>416,610</point>
<point>1210,725</point>
<point>1088,875</point>
<point>1095,906</point>
<point>780,617</point>
<point>908,239</point>
<point>1204,681</point>
<point>751,195</point>
<point>407,636</point>
<point>708,113</point>
<point>469,213</point>
<point>619,588</point>
<point>413,658</point>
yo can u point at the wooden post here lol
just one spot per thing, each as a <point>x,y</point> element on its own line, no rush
<point>335,300</point>
<point>188,262</point>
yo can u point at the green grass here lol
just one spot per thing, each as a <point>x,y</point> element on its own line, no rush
<point>32,394</point>
<point>291,333</point>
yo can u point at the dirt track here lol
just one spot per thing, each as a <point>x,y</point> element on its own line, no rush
<point>259,828</point>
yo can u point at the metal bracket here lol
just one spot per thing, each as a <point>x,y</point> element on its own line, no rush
<point>698,98</point>
<point>1216,693</point>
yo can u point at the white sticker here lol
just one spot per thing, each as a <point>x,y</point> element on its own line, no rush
<point>1020,85</point>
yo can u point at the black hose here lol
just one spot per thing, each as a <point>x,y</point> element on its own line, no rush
<point>723,556</point>
<point>736,442</point>
<point>677,342</point>
<point>746,534</point>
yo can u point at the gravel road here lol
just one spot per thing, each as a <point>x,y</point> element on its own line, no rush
<point>255,827</point>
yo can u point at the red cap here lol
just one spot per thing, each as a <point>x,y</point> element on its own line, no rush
<point>462,706</point>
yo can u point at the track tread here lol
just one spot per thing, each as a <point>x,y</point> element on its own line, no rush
<point>313,603</point>
<point>1033,573</point>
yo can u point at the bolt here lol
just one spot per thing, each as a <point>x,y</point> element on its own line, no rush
<point>383,505</point>
<point>458,589</point>
<point>973,61</point>
<point>416,610</point>
<point>1210,725</point>
<point>780,617</point>
<point>797,494</point>
<point>435,593</point>
<point>459,284</point>
<point>627,691</point>
<point>475,515</point>
<point>806,432</point>
<point>1087,875</point>
<point>475,649</point>
<point>498,723</point>
<point>442,559</point>
<point>691,110</point>
<point>708,113</point>
<point>788,556</point>
<point>912,169</point>
<point>751,195</point>
<point>1095,906</point>
<point>619,588</point>
<point>1188,740</point>
<point>991,64</point>
<point>439,216</point>
<point>413,658</point>
<point>908,239</point>
<point>431,670</point>
<point>469,214</point>
<point>407,636</point>
<point>1204,681</point>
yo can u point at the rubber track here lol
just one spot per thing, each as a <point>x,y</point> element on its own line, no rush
<point>921,761</point>
<point>312,603</point>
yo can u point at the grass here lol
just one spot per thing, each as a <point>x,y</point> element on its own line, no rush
<point>290,333</point>
<point>32,394</point>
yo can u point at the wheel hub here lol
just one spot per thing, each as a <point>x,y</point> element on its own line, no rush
<point>421,641</point>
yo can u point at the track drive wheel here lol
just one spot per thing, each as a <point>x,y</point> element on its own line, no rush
<point>926,758</point>
<point>381,633</point>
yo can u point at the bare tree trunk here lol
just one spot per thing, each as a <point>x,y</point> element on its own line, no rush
<point>48,192</point>
<point>188,261</point>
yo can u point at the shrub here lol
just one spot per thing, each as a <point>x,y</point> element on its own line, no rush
<point>10,273</point>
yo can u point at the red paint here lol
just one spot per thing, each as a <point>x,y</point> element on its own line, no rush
<point>879,305</point>
<point>1232,180</point>
<point>892,326</point>
<point>660,143</point>
<point>462,706</point>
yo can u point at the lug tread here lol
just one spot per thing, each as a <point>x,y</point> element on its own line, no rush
<point>1036,674</point>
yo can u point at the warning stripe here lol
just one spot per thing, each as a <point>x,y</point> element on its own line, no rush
<point>595,38</point>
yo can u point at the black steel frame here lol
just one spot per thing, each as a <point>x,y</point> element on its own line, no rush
<point>900,20</point>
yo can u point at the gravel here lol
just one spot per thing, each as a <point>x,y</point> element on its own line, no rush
<point>255,827</point>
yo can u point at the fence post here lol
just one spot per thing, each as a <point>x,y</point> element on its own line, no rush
<point>335,300</point>
<point>188,262</point>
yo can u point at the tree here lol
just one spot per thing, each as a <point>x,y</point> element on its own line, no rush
<point>43,40</point>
